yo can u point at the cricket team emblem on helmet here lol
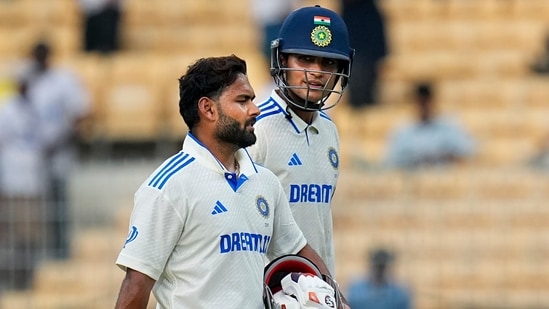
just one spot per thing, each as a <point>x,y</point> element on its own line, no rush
<point>321,36</point>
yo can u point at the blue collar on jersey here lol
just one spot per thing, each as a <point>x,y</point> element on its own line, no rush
<point>196,148</point>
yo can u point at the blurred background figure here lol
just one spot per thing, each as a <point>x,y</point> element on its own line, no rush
<point>367,34</point>
<point>540,159</point>
<point>62,104</point>
<point>269,16</point>
<point>430,139</point>
<point>22,189</point>
<point>379,289</point>
<point>541,62</point>
<point>101,25</point>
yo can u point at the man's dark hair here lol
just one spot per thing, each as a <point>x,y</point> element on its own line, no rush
<point>207,77</point>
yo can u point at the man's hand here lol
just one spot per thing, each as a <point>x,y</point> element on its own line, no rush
<point>309,290</point>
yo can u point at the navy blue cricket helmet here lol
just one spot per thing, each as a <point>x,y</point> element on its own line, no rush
<point>314,31</point>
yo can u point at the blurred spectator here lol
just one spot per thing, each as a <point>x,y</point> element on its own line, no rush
<point>379,289</point>
<point>269,15</point>
<point>540,160</point>
<point>431,140</point>
<point>367,34</point>
<point>22,189</point>
<point>62,103</point>
<point>541,63</point>
<point>101,24</point>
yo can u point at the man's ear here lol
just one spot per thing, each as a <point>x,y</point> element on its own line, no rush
<point>284,60</point>
<point>207,108</point>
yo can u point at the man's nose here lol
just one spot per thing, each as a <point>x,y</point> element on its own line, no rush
<point>254,110</point>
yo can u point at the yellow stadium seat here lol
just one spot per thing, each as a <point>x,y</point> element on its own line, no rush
<point>131,106</point>
<point>532,9</point>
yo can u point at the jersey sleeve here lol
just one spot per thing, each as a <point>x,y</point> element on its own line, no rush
<point>155,229</point>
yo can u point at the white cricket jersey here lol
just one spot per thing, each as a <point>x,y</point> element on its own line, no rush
<point>203,234</point>
<point>306,160</point>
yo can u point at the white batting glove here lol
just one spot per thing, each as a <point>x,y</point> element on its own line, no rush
<point>309,290</point>
<point>284,301</point>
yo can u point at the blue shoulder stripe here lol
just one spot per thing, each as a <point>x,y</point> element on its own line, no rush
<point>269,108</point>
<point>173,166</point>
<point>167,166</point>
<point>325,116</point>
<point>266,104</point>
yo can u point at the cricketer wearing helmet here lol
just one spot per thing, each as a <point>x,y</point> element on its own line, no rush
<point>296,139</point>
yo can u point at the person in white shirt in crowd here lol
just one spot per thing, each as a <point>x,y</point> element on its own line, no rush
<point>22,189</point>
<point>430,140</point>
<point>62,103</point>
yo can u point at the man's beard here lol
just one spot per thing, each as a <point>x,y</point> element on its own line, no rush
<point>228,130</point>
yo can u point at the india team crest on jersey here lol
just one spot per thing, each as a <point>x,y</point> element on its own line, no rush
<point>333,157</point>
<point>262,206</point>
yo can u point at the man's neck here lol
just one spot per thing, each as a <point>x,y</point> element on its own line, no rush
<point>222,151</point>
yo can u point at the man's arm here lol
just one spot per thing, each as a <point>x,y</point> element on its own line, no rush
<point>309,253</point>
<point>135,290</point>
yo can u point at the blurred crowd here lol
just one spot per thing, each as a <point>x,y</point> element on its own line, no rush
<point>38,143</point>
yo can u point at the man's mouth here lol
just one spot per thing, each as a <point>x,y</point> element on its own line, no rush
<point>315,85</point>
<point>250,124</point>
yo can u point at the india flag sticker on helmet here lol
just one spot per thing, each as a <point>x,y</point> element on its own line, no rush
<point>322,20</point>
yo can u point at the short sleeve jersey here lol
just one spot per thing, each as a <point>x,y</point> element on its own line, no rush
<point>203,232</point>
<point>305,157</point>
